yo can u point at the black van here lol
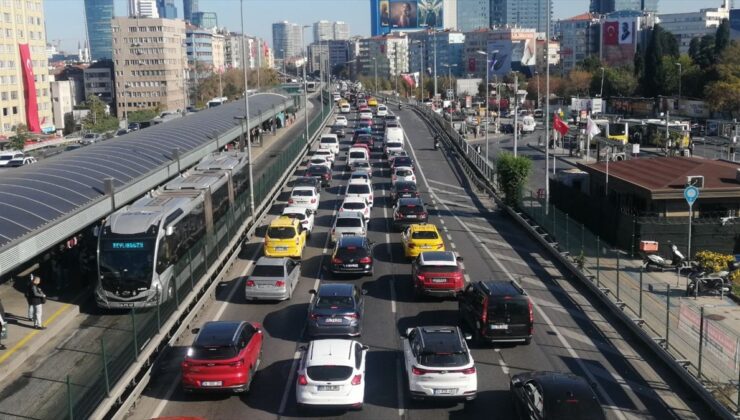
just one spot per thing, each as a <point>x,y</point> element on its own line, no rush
<point>496,311</point>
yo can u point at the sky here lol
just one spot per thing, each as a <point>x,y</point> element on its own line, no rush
<point>65,23</point>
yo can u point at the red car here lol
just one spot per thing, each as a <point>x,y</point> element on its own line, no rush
<point>437,273</point>
<point>224,357</point>
<point>365,139</point>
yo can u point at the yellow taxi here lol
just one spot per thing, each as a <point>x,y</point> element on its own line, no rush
<point>285,237</point>
<point>372,102</point>
<point>421,237</point>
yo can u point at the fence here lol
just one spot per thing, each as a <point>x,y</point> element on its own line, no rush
<point>119,348</point>
<point>692,335</point>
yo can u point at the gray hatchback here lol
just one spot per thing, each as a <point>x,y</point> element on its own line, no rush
<point>336,309</point>
<point>273,279</point>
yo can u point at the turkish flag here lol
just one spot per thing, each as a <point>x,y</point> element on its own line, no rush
<point>559,126</point>
<point>611,33</point>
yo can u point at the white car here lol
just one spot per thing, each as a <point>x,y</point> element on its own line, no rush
<point>366,115</point>
<point>306,197</point>
<point>382,111</point>
<point>360,188</point>
<point>362,166</point>
<point>332,373</point>
<point>330,141</point>
<point>438,364</point>
<point>341,121</point>
<point>344,108</point>
<point>348,223</point>
<point>319,161</point>
<point>355,204</point>
<point>303,214</point>
<point>361,174</point>
<point>355,154</point>
<point>392,148</point>
<point>403,174</point>
<point>325,153</point>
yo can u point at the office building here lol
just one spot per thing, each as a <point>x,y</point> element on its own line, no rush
<point>287,40</point>
<point>149,59</point>
<point>341,30</point>
<point>205,20</point>
<point>143,8</point>
<point>608,6</point>
<point>444,47</point>
<point>621,34</point>
<point>388,16</point>
<point>62,101</point>
<point>521,13</point>
<point>323,30</point>
<point>167,9</point>
<point>98,14</point>
<point>579,39</point>
<point>388,55</point>
<point>318,56</point>
<point>472,14</point>
<point>206,47</point>
<point>24,75</point>
<point>188,8</point>
<point>98,81</point>
<point>687,26</point>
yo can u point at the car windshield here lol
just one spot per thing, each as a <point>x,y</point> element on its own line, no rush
<point>349,222</point>
<point>299,216</point>
<point>357,155</point>
<point>404,172</point>
<point>354,206</point>
<point>394,145</point>
<point>307,181</point>
<point>411,209</point>
<point>318,170</point>
<point>281,232</point>
<point>439,359</point>
<point>361,165</point>
<point>261,270</point>
<point>439,268</point>
<point>334,302</point>
<point>358,189</point>
<point>405,186</point>
<point>425,234</point>
<point>212,352</point>
<point>329,373</point>
<point>302,193</point>
<point>508,308</point>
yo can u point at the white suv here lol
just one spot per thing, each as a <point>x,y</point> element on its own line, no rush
<point>382,111</point>
<point>341,121</point>
<point>360,188</point>
<point>330,141</point>
<point>304,215</point>
<point>438,364</point>
<point>332,373</point>
<point>348,223</point>
<point>356,204</point>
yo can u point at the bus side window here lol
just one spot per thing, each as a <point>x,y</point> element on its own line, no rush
<point>164,256</point>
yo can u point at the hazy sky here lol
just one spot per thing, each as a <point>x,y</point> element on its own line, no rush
<point>65,18</point>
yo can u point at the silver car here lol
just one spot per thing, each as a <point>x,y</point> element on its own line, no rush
<point>273,279</point>
<point>348,223</point>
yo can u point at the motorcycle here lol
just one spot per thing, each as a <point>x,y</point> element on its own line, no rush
<point>655,261</point>
<point>436,143</point>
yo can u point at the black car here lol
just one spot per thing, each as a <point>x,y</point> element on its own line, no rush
<point>507,128</point>
<point>338,130</point>
<point>402,162</point>
<point>554,395</point>
<point>320,172</point>
<point>335,309</point>
<point>404,189</point>
<point>352,255</point>
<point>307,181</point>
<point>409,211</point>
<point>496,311</point>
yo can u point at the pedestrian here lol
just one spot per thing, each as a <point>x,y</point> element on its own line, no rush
<point>3,327</point>
<point>36,298</point>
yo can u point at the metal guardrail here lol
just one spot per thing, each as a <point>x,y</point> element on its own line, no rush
<point>697,349</point>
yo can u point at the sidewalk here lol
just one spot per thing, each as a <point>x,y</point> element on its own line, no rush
<point>37,362</point>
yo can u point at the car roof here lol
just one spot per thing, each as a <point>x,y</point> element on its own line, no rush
<point>304,187</point>
<point>284,221</point>
<point>333,351</point>
<point>274,261</point>
<point>359,181</point>
<point>336,289</point>
<point>349,215</point>
<point>441,339</point>
<point>346,241</point>
<point>447,258</point>
<point>295,209</point>
<point>217,333</point>
<point>419,227</point>
<point>362,174</point>
<point>354,199</point>
<point>556,381</point>
<point>405,184</point>
<point>323,150</point>
<point>403,168</point>
<point>501,288</point>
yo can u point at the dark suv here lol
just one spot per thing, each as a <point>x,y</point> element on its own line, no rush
<point>352,255</point>
<point>496,311</point>
<point>409,211</point>
<point>403,189</point>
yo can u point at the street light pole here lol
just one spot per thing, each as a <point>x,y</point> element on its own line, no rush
<point>246,112</point>
<point>304,52</point>
<point>547,107</point>
<point>516,112</point>
<point>434,43</point>
<point>680,71</point>
<point>487,100</point>
<point>601,91</point>
<point>375,66</point>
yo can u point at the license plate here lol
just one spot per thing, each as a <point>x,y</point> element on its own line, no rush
<point>211,383</point>
<point>351,265</point>
<point>445,391</point>
<point>127,304</point>
<point>333,320</point>
<point>348,234</point>
<point>427,246</point>
<point>439,280</point>
<point>411,216</point>
<point>328,387</point>
<point>499,327</point>
<point>281,248</point>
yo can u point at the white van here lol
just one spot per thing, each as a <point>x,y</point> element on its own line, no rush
<point>329,141</point>
<point>356,154</point>
<point>9,155</point>
<point>394,135</point>
<point>528,124</point>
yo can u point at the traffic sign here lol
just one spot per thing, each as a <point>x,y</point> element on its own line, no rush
<point>691,194</point>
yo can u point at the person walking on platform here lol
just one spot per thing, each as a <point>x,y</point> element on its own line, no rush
<point>3,326</point>
<point>36,298</point>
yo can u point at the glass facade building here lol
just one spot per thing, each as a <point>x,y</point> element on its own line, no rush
<point>188,8</point>
<point>472,14</point>
<point>521,13</point>
<point>98,14</point>
<point>608,6</point>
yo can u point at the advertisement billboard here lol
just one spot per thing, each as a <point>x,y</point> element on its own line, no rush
<point>619,41</point>
<point>499,57</point>
<point>389,15</point>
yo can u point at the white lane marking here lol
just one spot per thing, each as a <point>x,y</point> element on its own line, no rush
<point>502,363</point>
<point>606,397</point>
<point>291,378</point>
<point>388,248</point>
<point>452,244</point>
<point>399,387</point>
<point>467,278</point>
<point>454,203</point>
<point>443,222</point>
<point>456,187</point>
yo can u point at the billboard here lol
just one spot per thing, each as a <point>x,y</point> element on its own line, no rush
<point>499,57</point>
<point>619,41</point>
<point>389,15</point>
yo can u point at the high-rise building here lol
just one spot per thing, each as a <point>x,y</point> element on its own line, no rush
<point>188,8</point>
<point>167,9</point>
<point>579,39</point>
<point>521,13</point>
<point>143,8</point>
<point>205,46</point>
<point>98,14</point>
<point>341,30</point>
<point>207,20</point>
<point>287,40</point>
<point>24,75</point>
<point>385,56</point>
<point>686,26</point>
<point>149,59</point>
<point>389,16</point>
<point>323,30</point>
<point>608,6</point>
<point>472,14</point>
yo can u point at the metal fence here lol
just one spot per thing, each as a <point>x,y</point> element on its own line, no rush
<point>690,333</point>
<point>119,347</point>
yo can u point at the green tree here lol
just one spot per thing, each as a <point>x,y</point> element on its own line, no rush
<point>694,48</point>
<point>705,53</point>
<point>591,64</point>
<point>618,81</point>
<point>723,94</point>
<point>638,62</point>
<point>97,120</point>
<point>653,55</point>
<point>143,115</point>
<point>18,140</point>
<point>722,38</point>
<point>512,173</point>
<point>70,125</point>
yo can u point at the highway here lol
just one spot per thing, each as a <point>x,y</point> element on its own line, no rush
<point>571,334</point>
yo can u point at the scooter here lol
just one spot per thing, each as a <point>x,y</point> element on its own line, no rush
<point>659,263</point>
<point>436,143</point>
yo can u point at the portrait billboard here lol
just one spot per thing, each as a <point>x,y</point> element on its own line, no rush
<point>499,57</point>
<point>404,14</point>
<point>390,15</point>
<point>619,41</point>
<point>385,13</point>
<point>430,13</point>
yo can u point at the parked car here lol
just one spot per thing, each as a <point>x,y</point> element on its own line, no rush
<point>437,273</point>
<point>224,356</point>
<point>554,395</point>
<point>273,279</point>
<point>332,373</point>
<point>335,309</point>
<point>352,255</point>
<point>496,311</point>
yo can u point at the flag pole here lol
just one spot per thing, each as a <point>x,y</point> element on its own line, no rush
<point>547,108</point>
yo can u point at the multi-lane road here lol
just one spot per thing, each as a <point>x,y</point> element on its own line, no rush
<point>571,334</point>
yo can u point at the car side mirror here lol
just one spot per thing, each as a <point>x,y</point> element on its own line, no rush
<point>363,291</point>
<point>303,348</point>
<point>96,231</point>
<point>459,258</point>
<point>516,382</point>
<point>170,230</point>
<point>365,348</point>
<point>312,292</point>
<point>195,330</point>
<point>468,336</point>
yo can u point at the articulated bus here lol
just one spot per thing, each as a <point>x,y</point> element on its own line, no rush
<point>140,244</point>
<point>616,131</point>
<point>679,133</point>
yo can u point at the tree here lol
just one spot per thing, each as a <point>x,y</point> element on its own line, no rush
<point>618,81</point>
<point>143,115</point>
<point>512,176</point>
<point>694,48</point>
<point>722,38</point>
<point>590,64</point>
<point>98,120</point>
<point>579,82</point>
<point>70,125</point>
<point>724,93</point>
<point>18,140</point>
<point>639,62</point>
<point>705,55</point>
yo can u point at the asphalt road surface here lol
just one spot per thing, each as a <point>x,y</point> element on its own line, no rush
<point>570,335</point>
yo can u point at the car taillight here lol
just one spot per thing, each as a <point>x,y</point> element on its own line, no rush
<point>351,316</point>
<point>185,364</point>
<point>238,363</point>
<point>279,283</point>
<point>313,200</point>
<point>394,177</point>
<point>357,380</point>
<point>336,260</point>
<point>250,283</point>
<point>420,277</point>
<point>484,315</point>
<point>469,371</point>
<point>423,214</point>
<point>531,318</point>
<point>290,201</point>
<point>366,260</point>
<point>411,245</point>
<point>417,371</point>
<point>313,316</point>
<point>440,246</point>
<point>302,380</point>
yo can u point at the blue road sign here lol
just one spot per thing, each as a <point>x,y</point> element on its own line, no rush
<point>691,194</point>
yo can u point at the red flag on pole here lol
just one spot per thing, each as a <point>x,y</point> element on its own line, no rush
<point>559,126</point>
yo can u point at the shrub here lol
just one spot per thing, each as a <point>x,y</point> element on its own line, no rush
<point>714,261</point>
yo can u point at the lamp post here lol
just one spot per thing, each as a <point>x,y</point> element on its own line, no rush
<point>481,52</point>
<point>434,43</point>
<point>421,69</point>
<point>547,108</point>
<point>601,91</point>
<point>282,53</point>
<point>449,74</point>
<point>538,90</point>
<point>246,113</point>
<point>680,73</point>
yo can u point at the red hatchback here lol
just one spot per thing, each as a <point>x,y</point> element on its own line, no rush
<point>224,357</point>
<point>437,273</point>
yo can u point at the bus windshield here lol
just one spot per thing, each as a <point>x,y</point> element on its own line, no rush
<point>126,261</point>
<point>617,129</point>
